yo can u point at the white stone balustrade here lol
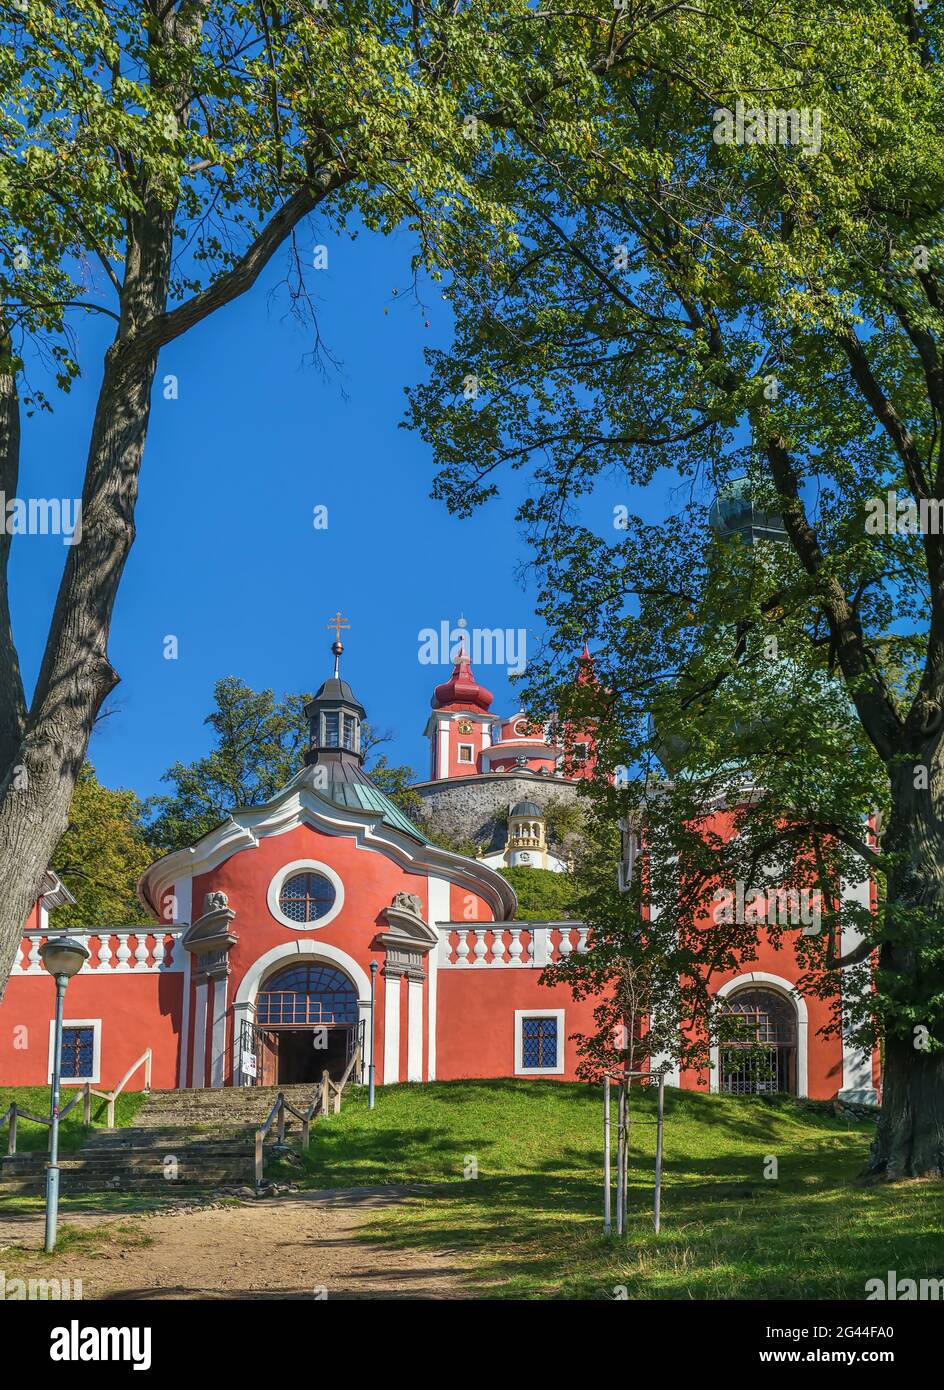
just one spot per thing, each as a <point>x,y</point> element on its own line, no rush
<point>111,952</point>
<point>495,945</point>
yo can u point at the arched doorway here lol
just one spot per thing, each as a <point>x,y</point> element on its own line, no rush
<point>306,1022</point>
<point>758,1050</point>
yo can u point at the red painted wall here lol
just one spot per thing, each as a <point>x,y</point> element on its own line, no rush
<point>137,1012</point>
<point>475,1029</point>
<point>475,1036</point>
<point>370,882</point>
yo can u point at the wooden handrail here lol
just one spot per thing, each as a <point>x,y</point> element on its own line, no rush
<point>278,1110</point>
<point>321,1101</point>
<point>12,1113</point>
<point>355,1056</point>
<point>15,1112</point>
<point>113,1095</point>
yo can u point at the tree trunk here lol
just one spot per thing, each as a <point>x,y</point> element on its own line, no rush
<point>37,782</point>
<point>909,1142</point>
<point>32,821</point>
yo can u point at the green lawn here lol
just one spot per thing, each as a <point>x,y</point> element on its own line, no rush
<point>33,1138</point>
<point>530,1224</point>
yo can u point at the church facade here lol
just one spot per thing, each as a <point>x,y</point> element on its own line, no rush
<point>325,921</point>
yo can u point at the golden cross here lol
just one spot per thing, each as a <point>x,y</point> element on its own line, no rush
<point>337,622</point>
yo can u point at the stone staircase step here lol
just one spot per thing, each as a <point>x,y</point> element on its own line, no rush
<point>208,1132</point>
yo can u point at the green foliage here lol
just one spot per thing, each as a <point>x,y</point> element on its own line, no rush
<point>119,121</point>
<point>543,896</point>
<point>678,313</point>
<point>102,855</point>
<point>260,742</point>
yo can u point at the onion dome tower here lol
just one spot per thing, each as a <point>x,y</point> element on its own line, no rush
<point>459,728</point>
<point>462,691</point>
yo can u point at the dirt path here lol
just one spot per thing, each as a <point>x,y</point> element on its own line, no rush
<point>298,1246</point>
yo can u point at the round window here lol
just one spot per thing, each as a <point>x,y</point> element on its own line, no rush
<point>306,897</point>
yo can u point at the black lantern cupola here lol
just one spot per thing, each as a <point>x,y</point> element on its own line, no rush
<point>335,715</point>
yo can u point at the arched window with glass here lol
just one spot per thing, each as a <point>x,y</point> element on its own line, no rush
<point>307,996</point>
<point>758,1043</point>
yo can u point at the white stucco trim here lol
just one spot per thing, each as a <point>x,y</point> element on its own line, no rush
<point>218,1038</point>
<point>300,805</point>
<point>183,900</point>
<point>300,866</point>
<point>199,1035</point>
<point>857,1082</point>
<point>391,1073</point>
<point>782,986</point>
<point>283,955</point>
<point>96,1026</point>
<point>307,948</point>
<point>558,1067</point>
<point>438,911</point>
<point>184,1017</point>
<point>414,1030</point>
<point>665,1061</point>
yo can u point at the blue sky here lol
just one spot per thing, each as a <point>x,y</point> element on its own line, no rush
<point>227,558</point>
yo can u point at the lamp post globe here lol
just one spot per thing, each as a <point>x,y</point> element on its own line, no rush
<point>63,957</point>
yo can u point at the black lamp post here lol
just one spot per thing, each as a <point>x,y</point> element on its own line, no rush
<point>63,957</point>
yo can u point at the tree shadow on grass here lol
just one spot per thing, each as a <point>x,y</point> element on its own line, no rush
<point>543,1237</point>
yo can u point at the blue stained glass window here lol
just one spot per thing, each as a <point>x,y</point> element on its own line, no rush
<point>539,1042</point>
<point>78,1052</point>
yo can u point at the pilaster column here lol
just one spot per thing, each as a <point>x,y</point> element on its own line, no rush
<point>199,1034</point>
<point>208,942</point>
<point>218,1038</point>
<point>391,1052</point>
<point>406,944</point>
<point>414,1025</point>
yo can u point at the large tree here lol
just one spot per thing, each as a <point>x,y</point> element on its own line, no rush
<point>155,155</point>
<point>731,263</point>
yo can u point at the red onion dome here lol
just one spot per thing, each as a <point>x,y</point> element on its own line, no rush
<point>462,690</point>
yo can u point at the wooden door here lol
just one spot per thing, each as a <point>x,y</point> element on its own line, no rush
<point>268,1061</point>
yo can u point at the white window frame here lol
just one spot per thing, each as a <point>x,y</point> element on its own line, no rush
<point>300,866</point>
<point>96,1026</point>
<point>520,1069</point>
<point>471,751</point>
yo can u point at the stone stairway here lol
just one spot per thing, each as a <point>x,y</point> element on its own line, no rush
<point>224,1108</point>
<point>182,1142</point>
